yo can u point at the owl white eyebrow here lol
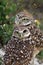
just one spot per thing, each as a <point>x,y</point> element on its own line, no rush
<point>20,31</point>
<point>16,31</point>
<point>27,23</point>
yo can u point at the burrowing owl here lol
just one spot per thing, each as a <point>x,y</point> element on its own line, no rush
<point>26,40</point>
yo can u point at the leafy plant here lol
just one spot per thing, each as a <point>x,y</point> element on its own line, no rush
<point>40,55</point>
<point>7,11</point>
<point>1,61</point>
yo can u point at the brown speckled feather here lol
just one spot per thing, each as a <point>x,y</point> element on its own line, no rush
<point>26,39</point>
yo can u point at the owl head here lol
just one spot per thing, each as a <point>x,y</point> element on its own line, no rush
<point>24,18</point>
<point>21,32</point>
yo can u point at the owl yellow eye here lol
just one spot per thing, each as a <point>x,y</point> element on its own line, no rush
<point>24,31</point>
<point>17,32</point>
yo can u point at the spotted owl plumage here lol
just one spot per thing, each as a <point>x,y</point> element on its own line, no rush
<point>25,38</point>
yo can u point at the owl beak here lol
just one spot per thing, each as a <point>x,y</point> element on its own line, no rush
<point>21,34</point>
